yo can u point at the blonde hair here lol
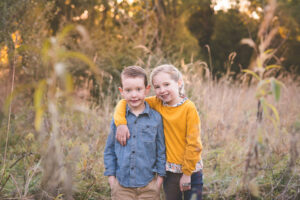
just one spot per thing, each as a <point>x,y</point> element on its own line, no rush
<point>175,75</point>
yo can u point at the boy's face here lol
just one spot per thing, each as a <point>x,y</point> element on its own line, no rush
<point>134,91</point>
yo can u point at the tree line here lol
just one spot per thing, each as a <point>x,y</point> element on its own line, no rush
<point>117,33</point>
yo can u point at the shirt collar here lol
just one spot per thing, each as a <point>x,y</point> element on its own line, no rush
<point>178,104</point>
<point>146,110</point>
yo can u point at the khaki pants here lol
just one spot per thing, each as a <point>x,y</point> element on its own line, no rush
<point>150,192</point>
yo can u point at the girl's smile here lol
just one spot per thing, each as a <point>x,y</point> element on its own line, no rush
<point>166,88</point>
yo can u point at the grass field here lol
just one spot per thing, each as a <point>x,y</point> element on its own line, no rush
<point>243,159</point>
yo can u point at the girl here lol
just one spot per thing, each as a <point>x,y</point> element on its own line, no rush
<point>182,133</point>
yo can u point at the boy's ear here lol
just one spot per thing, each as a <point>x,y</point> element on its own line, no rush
<point>148,89</point>
<point>121,90</point>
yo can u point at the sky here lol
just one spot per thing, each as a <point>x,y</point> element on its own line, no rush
<point>220,4</point>
<point>227,4</point>
<point>243,6</point>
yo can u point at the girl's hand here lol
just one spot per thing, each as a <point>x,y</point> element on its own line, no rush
<point>122,134</point>
<point>185,183</point>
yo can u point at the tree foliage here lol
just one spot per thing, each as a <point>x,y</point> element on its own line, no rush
<point>121,33</point>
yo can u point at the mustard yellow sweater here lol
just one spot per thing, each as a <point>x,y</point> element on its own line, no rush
<point>181,128</point>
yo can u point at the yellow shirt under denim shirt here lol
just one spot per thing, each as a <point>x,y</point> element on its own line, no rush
<point>136,164</point>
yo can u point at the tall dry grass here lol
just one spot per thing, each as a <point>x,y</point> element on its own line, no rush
<point>242,159</point>
<point>245,159</point>
<point>250,157</point>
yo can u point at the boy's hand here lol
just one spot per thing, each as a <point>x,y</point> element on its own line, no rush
<point>159,181</point>
<point>122,134</point>
<point>185,183</point>
<point>111,180</point>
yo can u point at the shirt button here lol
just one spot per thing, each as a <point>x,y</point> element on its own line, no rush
<point>132,168</point>
<point>134,136</point>
<point>133,151</point>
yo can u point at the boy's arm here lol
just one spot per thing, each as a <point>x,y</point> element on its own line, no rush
<point>193,142</point>
<point>110,158</point>
<point>161,151</point>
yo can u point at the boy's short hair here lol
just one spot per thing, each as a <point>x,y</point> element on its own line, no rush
<point>133,72</point>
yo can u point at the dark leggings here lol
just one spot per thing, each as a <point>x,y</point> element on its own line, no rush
<point>172,189</point>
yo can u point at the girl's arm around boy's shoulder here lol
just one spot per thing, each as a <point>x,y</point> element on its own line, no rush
<point>120,110</point>
<point>153,102</point>
<point>120,113</point>
<point>120,119</point>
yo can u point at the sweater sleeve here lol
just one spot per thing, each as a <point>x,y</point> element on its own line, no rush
<point>193,148</point>
<point>153,102</point>
<point>120,110</point>
<point>120,113</point>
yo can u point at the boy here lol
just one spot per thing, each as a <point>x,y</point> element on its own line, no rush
<point>131,169</point>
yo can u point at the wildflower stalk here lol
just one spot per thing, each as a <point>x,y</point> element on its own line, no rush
<point>265,87</point>
<point>9,117</point>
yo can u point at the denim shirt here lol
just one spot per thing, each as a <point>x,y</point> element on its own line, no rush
<point>135,164</point>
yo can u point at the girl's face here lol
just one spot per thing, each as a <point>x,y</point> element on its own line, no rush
<point>166,88</point>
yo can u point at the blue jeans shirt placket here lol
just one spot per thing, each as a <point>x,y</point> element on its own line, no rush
<point>133,154</point>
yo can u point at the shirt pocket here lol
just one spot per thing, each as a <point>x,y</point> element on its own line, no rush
<point>149,133</point>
